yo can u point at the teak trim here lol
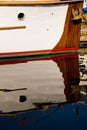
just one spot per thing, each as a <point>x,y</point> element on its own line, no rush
<point>71,34</point>
<point>12,27</point>
<point>36,2</point>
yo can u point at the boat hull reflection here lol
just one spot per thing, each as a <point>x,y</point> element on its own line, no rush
<point>39,84</point>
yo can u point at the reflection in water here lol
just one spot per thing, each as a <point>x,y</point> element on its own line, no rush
<point>83,78</point>
<point>37,90</point>
<point>70,70</point>
<point>9,90</point>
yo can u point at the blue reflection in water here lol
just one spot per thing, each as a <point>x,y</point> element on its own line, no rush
<point>69,116</point>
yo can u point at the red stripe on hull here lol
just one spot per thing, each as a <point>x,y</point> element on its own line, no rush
<point>49,58</point>
<point>20,57</point>
<point>39,51</point>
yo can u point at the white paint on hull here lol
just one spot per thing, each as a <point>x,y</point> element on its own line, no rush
<point>44,27</point>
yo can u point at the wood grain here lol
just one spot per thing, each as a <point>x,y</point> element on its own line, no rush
<point>34,2</point>
<point>71,34</point>
<point>12,27</point>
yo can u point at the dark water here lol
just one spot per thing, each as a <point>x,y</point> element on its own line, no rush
<point>48,93</point>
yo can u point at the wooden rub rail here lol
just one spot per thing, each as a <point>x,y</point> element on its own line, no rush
<point>34,2</point>
<point>12,27</point>
<point>26,2</point>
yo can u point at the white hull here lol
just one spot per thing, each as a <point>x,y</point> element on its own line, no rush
<point>44,27</point>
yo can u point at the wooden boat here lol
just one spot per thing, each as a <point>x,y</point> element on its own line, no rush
<point>37,26</point>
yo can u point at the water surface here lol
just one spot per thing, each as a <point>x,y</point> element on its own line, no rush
<point>47,93</point>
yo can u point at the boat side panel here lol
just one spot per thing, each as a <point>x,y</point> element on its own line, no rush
<point>44,27</point>
<point>71,34</point>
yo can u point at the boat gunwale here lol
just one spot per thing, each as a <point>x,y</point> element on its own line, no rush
<point>47,2</point>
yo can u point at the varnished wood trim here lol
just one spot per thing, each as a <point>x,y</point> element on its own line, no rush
<point>37,2</point>
<point>71,33</point>
<point>12,27</point>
